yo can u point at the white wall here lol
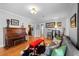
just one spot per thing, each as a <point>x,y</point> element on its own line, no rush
<point>8,15</point>
<point>45,30</point>
<point>72,32</point>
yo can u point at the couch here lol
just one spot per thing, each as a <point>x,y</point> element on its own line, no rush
<point>71,49</point>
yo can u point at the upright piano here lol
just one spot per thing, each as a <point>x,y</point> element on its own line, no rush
<point>14,36</point>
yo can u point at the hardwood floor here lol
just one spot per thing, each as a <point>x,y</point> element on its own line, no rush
<point>16,50</point>
<point>13,51</point>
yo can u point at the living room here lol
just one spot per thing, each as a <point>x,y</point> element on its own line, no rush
<point>43,20</point>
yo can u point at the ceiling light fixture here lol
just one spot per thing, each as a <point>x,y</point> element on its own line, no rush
<point>33,9</point>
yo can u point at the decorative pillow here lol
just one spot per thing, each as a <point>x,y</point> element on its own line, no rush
<point>59,51</point>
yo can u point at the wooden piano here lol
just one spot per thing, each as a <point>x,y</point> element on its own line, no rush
<point>14,36</point>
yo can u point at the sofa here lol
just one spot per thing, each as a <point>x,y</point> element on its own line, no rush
<point>71,49</point>
<point>60,51</point>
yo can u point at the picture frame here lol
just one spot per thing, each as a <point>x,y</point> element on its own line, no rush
<point>50,25</point>
<point>14,22</point>
<point>59,24</point>
<point>73,21</point>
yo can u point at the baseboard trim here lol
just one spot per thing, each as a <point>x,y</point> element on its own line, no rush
<point>1,46</point>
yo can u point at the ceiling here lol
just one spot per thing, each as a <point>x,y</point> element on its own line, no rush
<point>47,10</point>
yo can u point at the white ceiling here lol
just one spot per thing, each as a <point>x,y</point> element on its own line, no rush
<point>47,10</point>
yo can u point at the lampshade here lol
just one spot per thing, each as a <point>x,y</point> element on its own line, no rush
<point>56,25</point>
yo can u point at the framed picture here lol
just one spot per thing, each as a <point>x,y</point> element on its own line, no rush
<point>73,21</point>
<point>59,24</point>
<point>15,22</point>
<point>50,25</point>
